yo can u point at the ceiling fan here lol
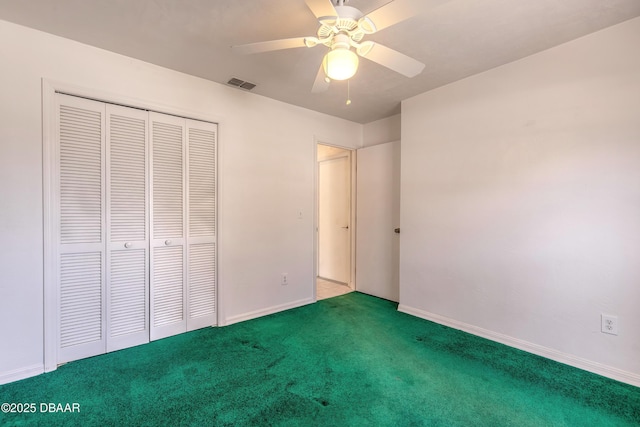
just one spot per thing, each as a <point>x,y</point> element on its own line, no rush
<point>344,27</point>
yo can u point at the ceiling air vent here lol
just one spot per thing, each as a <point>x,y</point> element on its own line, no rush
<point>240,83</point>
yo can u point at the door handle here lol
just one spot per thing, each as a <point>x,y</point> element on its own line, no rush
<point>397,231</point>
<point>347,227</point>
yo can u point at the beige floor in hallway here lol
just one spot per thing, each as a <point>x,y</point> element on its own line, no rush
<point>328,289</point>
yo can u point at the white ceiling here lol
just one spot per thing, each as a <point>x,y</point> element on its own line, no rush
<point>455,40</point>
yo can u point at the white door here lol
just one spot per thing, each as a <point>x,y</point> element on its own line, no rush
<point>133,227</point>
<point>79,227</point>
<point>201,224</point>
<point>183,218</point>
<point>168,254</point>
<point>127,227</point>
<point>101,211</point>
<point>378,217</point>
<point>334,216</point>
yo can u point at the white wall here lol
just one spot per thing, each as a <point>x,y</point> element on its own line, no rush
<point>520,205</point>
<point>266,175</point>
<point>381,131</point>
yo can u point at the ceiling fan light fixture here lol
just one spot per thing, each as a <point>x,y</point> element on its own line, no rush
<point>366,25</point>
<point>340,63</point>
<point>364,48</point>
<point>311,41</point>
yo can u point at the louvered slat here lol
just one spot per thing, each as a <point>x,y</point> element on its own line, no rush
<point>80,142</point>
<point>202,182</point>
<point>202,285</point>
<point>128,178</point>
<point>80,298</point>
<point>168,285</point>
<point>128,289</point>
<point>168,194</point>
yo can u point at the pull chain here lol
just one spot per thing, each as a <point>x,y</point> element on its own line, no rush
<point>348,92</point>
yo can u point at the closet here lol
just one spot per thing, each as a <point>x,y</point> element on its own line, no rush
<point>135,229</point>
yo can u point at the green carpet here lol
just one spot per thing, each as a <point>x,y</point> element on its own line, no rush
<point>347,361</point>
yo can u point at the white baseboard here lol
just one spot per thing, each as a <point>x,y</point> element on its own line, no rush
<point>265,312</point>
<point>21,373</point>
<point>558,356</point>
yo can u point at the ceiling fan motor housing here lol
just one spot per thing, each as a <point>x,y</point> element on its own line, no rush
<point>346,23</point>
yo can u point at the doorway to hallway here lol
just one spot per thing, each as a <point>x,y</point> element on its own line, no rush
<point>328,289</point>
<point>335,232</point>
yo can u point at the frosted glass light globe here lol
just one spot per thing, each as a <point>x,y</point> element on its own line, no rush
<point>340,64</point>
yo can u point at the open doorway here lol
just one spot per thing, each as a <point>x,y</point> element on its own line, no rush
<point>334,263</point>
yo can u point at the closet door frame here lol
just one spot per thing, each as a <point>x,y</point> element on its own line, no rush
<point>50,217</point>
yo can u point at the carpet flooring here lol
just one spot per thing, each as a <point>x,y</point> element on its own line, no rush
<point>352,360</point>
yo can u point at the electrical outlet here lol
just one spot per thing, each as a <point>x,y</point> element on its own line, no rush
<point>610,324</point>
<point>284,280</point>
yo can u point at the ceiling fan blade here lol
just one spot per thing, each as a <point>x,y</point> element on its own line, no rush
<point>269,45</point>
<point>390,58</point>
<point>320,84</point>
<point>322,9</point>
<point>399,10</point>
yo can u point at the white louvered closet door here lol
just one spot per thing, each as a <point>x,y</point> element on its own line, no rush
<point>134,226</point>
<point>201,221</point>
<point>127,228</point>
<point>80,227</point>
<point>168,255</point>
